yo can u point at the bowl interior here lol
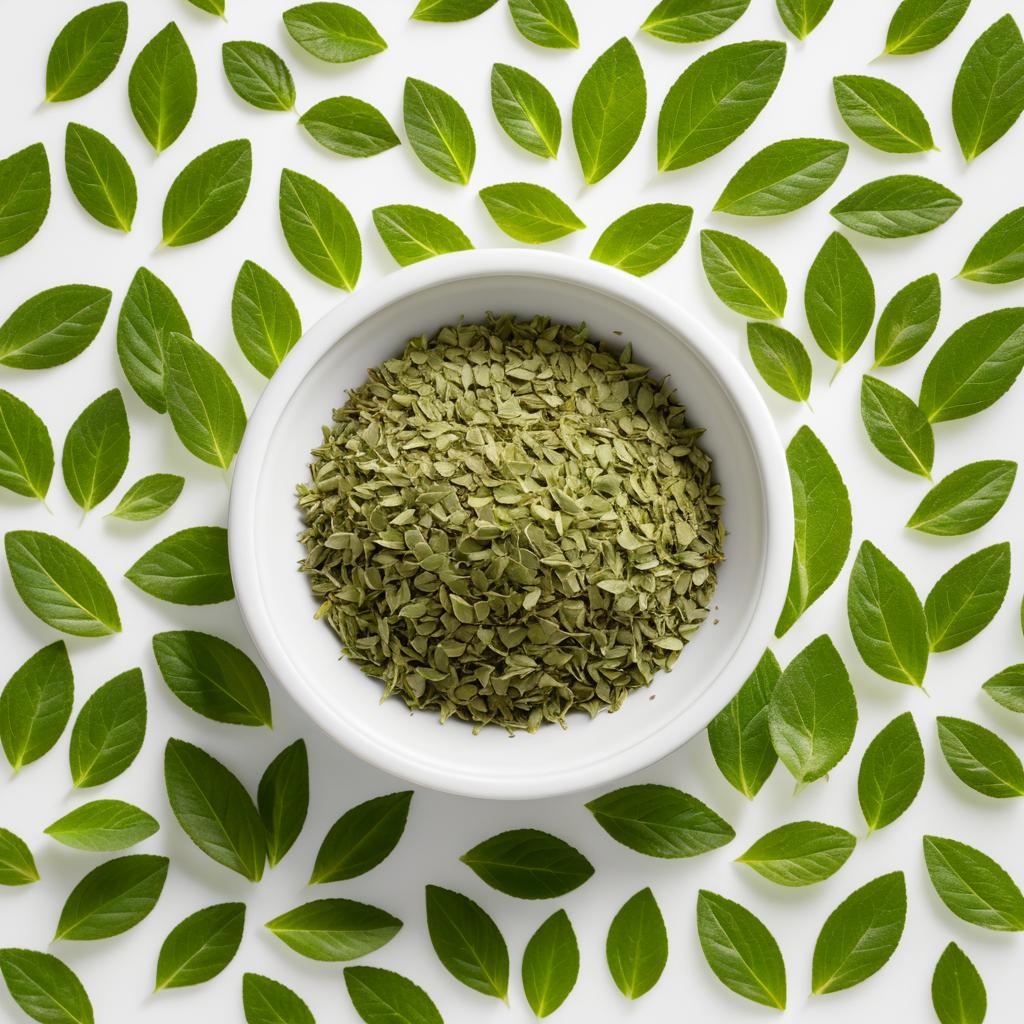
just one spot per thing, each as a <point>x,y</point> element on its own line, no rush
<point>305,653</point>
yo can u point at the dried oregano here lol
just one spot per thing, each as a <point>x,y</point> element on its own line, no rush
<point>509,521</point>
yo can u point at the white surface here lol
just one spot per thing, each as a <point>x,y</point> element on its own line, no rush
<point>71,247</point>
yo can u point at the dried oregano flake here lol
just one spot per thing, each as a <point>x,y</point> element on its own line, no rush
<point>509,521</point>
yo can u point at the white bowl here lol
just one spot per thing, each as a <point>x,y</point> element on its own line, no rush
<point>373,325</point>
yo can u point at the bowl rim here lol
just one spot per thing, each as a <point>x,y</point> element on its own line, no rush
<point>766,444</point>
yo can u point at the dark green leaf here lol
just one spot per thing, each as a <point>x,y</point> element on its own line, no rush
<point>1005,688</point>
<point>258,75</point>
<point>693,21</point>
<point>333,930</point>
<point>966,598</point>
<point>44,987</point>
<point>413,233</point>
<point>980,759</point>
<point>266,1001</point>
<point>781,359</point>
<point>998,256</point>
<point>897,206</point>
<point>529,213</point>
<point>96,450</point>
<point>35,705</point>
<point>24,196</point>
<point>17,866</point>
<point>891,772</point>
<point>336,33</point>
<point>162,87</point>
<point>384,997</point>
<point>742,276</point>
<point>546,22</point>
<point>109,730</point>
<point>881,114</point>
<point>526,111</point>
<point>921,24</point>
<point>103,826</point>
<point>200,947</point>
<point>53,327</point>
<point>908,321</point>
<point>467,942</point>
<point>85,51</point>
<point>973,885</point>
<point>264,318</point>
<point>965,500</point>
<point>349,126</point>
<point>897,427</point>
<point>958,993</point>
<point>283,799</point>
<point>362,838</point>
<point>149,497</point>
<point>26,451</point>
<point>207,194</point>
<point>637,945</point>
<point>189,567</point>
<point>644,238</point>
<point>800,853</point>
<point>802,17</point>
<point>99,176</point>
<point>551,964</point>
<point>439,131</point>
<point>450,10</point>
<point>529,864</point>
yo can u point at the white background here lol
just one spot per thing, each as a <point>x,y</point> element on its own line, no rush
<point>71,247</point>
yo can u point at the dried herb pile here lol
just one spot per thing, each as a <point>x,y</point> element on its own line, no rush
<point>509,522</point>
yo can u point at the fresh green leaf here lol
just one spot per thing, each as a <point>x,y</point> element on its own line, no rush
<point>113,897</point>
<point>53,327</point>
<point>384,997</point>
<point>813,712</point>
<point>413,233</point>
<point>96,450</point>
<point>891,772</point>
<point>439,131</point>
<point>980,759</point>
<point>450,10</point>
<point>17,865</point>
<point>467,942</point>
<point>800,853</point>
<point>26,451</point>
<point>882,115</point>
<point>802,17</point>
<point>715,100</point>
<point>908,321</point>
<point>1005,688</point>
<point>897,206</point>
<point>85,51</point>
<point>361,838</point>
<point>162,87</point>
<point>740,950</point>
<point>998,256</point>
<point>99,176</point>
<point>897,427</point>
<point>263,315</point>
<point>319,230</point>
<point>283,799</point>
<point>988,95</point>
<point>207,194</point>
<point>551,964</point>
<point>781,359</point>
<point>644,238</point>
<point>44,987</point>
<point>24,196</point>
<point>919,25</point>
<point>965,500</point>
<point>966,598</point>
<point>958,993</point>
<point>189,567</point>
<point>529,864</point>
<point>103,826</point>
<point>742,276</point>
<point>660,821</point>
<point>783,177</point>
<point>336,33</point>
<point>349,126</point>
<point>637,945</point>
<point>266,1001</point>
<point>149,497</point>
<point>823,524</point>
<point>973,886</point>
<point>258,75</point>
<point>108,733</point>
<point>860,935</point>
<point>693,21</point>
<point>333,930</point>
<point>546,22</point>
<point>526,110</point>
<point>205,408</point>
<point>214,809</point>
<point>529,213</point>
<point>35,705</point>
<point>216,7</point>
<point>200,947</point>
<point>60,585</point>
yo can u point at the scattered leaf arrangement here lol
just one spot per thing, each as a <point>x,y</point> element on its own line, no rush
<point>804,715</point>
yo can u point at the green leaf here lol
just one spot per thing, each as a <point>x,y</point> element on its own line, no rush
<point>162,87</point>
<point>958,993</point>
<point>214,809</point>
<point>998,256</point>
<point>413,233</point>
<point>1005,688</point>
<point>210,6</point>
<point>35,705</point>
<point>783,177</point>
<point>85,51</point>
<point>99,176</point>
<point>919,25</point>
<point>526,110</point>
<point>860,935</point>
<point>103,826</point>
<point>637,945</point>
<point>781,359</point>
<point>644,238</point>
<point>384,997</point>
<point>802,17</point>
<point>283,799</point>
<point>813,712</point>
<point>450,10</point>
<point>965,500</point>
<point>823,524</point>
<point>800,853</point>
<point>53,327</point>
<point>113,897</point>
<point>258,75</point>
<point>529,213</point>
<point>205,408</point>
<point>551,964</point>
<point>740,740</point>
<point>207,194</point>
<point>693,21</point>
<point>361,838</point>
<point>60,585</point>
<point>608,110</point>
<point>988,95</point>
<point>334,930</point>
<point>976,365</point>
<point>319,230</point>
<point>336,33</point>
<point>200,947</point>
<point>439,131</point>
<point>715,100</point>
<point>882,115</point>
<point>839,299</point>
<point>660,821</point>
<point>189,567</point>
<point>26,451</point>
<point>349,126</point>
<point>108,733</point>
<point>529,864</point>
<point>891,772</point>
<point>149,315</point>
<point>973,886</point>
<point>746,280</point>
<point>44,987</point>
<point>897,427</point>
<point>149,497</point>
<point>966,598</point>
<point>740,950</point>
<point>266,1001</point>
<point>908,321</point>
<point>897,207</point>
<point>17,866</point>
<point>265,321</point>
<point>96,450</point>
<point>24,196</point>
<point>980,759</point>
<point>467,942</point>
<point>546,22</point>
